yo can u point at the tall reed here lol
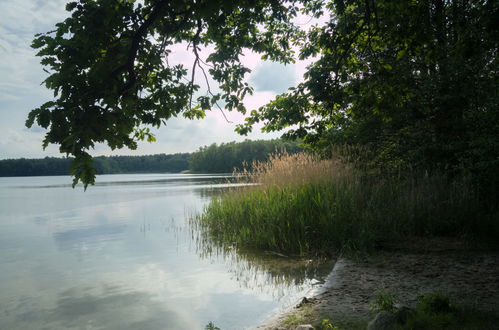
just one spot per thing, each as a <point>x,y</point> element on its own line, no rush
<point>302,204</point>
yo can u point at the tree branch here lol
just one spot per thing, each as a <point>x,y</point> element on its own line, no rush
<point>139,35</point>
<point>197,62</point>
<point>195,41</point>
<point>136,39</point>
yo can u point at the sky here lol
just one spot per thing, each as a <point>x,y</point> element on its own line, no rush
<point>21,90</point>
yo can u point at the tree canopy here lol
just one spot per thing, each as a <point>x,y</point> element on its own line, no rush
<point>416,81</point>
<point>227,157</point>
<point>109,71</point>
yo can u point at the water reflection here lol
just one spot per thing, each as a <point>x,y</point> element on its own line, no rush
<point>89,308</point>
<point>123,256</point>
<point>269,272</point>
<point>91,234</point>
<point>171,180</point>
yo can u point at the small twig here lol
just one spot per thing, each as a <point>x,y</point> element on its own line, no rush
<point>207,64</point>
<point>209,91</point>
<point>196,63</point>
<point>196,60</point>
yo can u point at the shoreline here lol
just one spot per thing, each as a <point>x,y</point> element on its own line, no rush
<point>469,278</point>
<point>276,321</point>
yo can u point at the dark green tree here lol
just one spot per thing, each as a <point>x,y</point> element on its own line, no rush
<point>109,71</point>
<point>160,163</point>
<point>226,157</point>
<point>415,81</point>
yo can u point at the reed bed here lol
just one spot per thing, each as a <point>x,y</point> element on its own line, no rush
<point>300,204</point>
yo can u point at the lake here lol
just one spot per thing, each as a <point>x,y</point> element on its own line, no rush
<point>123,255</point>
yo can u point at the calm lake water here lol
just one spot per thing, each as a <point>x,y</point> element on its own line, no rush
<point>122,255</point>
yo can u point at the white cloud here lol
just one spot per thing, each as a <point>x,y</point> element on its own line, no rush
<point>24,143</point>
<point>274,77</point>
<point>258,99</point>
<point>183,135</point>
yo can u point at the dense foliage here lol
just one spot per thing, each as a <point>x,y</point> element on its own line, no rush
<point>161,163</point>
<point>35,167</point>
<point>110,72</point>
<point>415,81</point>
<point>226,157</point>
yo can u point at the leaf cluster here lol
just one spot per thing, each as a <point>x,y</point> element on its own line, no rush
<point>108,66</point>
<point>414,81</point>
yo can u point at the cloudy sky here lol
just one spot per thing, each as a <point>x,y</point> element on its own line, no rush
<point>21,76</point>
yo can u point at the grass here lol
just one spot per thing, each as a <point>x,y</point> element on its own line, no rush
<point>433,312</point>
<point>437,311</point>
<point>458,319</point>
<point>383,302</point>
<point>300,317</point>
<point>303,205</point>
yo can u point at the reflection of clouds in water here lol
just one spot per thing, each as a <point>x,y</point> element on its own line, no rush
<point>131,259</point>
<point>41,220</point>
<point>106,309</point>
<point>95,233</point>
<point>168,281</point>
<point>157,300</point>
<point>83,241</point>
<point>211,294</point>
<point>236,308</point>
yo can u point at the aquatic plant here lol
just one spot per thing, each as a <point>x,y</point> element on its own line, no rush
<point>303,204</point>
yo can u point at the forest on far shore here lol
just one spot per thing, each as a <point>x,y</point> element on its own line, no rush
<point>221,158</point>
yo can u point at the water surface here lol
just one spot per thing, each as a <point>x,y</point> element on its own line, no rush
<point>122,256</point>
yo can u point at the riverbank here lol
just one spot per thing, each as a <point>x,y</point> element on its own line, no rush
<point>422,234</point>
<point>469,278</point>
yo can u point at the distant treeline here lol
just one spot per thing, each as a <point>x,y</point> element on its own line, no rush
<point>103,165</point>
<point>225,157</point>
<point>159,163</point>
<point>215,158</point>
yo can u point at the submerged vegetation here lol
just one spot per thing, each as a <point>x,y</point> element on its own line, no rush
<point>305,205</point>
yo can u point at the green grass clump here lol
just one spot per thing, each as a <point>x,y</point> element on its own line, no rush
<point>305,205</point>
<point>436,311</point>
<point>383,302</point>
<point>327,325</point>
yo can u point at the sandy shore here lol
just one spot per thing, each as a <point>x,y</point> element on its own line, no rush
<point>470,278</point>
